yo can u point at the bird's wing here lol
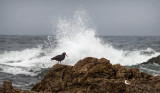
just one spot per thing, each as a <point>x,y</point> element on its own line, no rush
<point>57,57</point>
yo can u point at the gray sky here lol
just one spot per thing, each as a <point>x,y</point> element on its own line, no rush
<point>111,17</point>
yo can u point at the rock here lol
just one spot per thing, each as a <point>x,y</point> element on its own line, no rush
<point>153,60</point>
<point>7,88</point>
<point>7,85</point>
<point>91,75</point>
<point>94,75</point>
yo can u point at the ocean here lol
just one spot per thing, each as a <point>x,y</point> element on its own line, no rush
<point>24,60</point>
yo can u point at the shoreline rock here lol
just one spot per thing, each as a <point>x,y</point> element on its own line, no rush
<point>92,75</point>
<point>153,60</point>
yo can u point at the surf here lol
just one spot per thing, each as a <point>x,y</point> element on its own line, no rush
<point>78,39</point>
<point>76,36</point>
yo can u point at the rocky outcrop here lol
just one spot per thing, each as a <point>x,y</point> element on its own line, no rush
<point>92,75</point>
<point>7,88</point>
<point>153,60</point>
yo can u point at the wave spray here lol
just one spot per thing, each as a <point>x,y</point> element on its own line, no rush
<point>75,36</point>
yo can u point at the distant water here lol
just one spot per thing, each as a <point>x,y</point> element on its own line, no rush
<point>24,60</point>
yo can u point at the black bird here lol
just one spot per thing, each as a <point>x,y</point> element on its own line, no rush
<point>59,58</point>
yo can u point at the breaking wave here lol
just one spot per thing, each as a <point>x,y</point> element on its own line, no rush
<point>75,36</point>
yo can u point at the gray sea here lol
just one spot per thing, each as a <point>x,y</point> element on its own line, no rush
<point>24,60</point>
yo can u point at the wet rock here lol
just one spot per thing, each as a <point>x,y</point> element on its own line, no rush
<point>153,60</point>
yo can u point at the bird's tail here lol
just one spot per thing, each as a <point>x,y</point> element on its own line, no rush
<point>52,59</point>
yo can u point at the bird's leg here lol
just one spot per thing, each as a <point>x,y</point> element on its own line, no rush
<point>60,62</point>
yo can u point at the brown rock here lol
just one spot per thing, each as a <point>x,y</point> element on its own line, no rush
<point>7,88</point>
<point>94,75</point>
<point>7,85</point>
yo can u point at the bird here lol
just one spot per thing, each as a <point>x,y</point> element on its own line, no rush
<point>59,58</point>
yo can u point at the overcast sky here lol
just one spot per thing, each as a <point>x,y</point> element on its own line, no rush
<point>111,17</point>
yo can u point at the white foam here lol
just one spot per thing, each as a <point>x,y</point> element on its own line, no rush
<point>31,71</point>
<point>76,37</point>
<point>28,62</point>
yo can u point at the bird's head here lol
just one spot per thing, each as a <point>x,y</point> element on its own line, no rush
<point>64,53</point>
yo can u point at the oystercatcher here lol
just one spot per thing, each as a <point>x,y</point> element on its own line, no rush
<point>59,58</point>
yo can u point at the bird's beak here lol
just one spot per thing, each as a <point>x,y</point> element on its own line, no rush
<point>66,55</point>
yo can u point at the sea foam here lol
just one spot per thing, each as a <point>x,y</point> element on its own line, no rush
<point>78,39</point>
<point>75,36</point>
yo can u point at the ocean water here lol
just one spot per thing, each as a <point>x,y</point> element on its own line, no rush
<point>24,60</point>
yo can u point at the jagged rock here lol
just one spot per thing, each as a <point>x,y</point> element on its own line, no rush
<point>153,60</point>
<point>94,75</point>
<point>91,75</point>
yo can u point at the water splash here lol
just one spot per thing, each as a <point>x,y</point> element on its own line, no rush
<point>75,36</point>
